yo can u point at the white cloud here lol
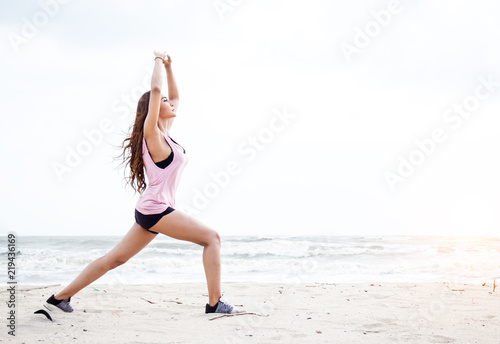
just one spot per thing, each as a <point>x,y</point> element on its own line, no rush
<point>352,120</point>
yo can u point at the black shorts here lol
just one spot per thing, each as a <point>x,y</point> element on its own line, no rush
<point>148,221</point>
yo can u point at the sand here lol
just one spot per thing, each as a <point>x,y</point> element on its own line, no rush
<point>287,313</point>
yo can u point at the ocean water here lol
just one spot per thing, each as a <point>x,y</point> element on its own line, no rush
<point>281,259</point>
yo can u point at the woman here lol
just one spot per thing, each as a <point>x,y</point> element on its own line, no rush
<point>152,148</point>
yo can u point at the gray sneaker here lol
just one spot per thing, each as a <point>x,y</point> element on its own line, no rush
<point>61,304</point>
<point>223,306</point>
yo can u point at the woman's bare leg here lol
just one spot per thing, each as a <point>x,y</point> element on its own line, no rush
<point>133,242</point>
<point>179,225</point>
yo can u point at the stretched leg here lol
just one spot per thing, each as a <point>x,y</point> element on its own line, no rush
<point>133,242</point>
<point>179,225</point>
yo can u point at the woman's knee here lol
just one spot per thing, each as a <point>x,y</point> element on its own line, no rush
<point>213,238</point>
<point>113,262</point>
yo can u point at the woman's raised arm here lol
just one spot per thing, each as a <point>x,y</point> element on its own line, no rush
<point>173,92</point>
<point>150,124</point>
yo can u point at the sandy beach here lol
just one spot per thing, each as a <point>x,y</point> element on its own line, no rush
<point>286,313</point>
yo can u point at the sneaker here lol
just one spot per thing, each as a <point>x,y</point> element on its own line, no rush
<point>61,304</point>
<point>223,306</point>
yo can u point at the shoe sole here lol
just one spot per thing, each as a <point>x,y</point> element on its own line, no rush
<point>234,312</point>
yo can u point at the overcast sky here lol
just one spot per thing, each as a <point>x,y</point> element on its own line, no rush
<point>299,117</point>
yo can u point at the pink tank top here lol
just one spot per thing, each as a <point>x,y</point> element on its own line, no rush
<point>162,182</point>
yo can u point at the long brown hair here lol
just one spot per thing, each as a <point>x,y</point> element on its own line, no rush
<point>134,157</point>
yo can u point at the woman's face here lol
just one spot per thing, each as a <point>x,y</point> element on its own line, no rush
<point>167,109</point>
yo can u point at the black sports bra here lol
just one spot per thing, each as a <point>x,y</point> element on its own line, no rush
<point>164,163</point>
